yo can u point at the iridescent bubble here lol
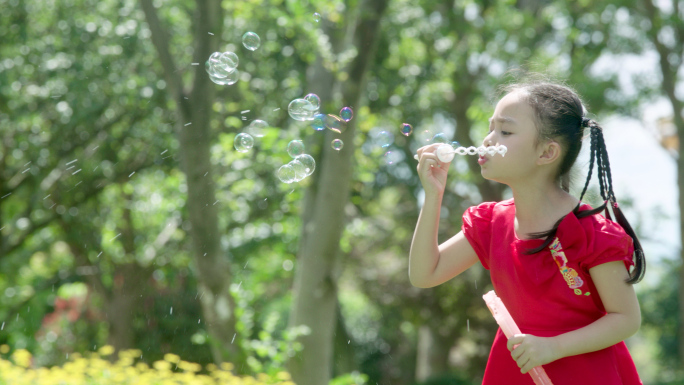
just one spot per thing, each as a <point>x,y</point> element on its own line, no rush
<point>299,169</point>
<point>391,157</point>
<point>406,129</point>
<point>317,17</point>
<point>314,100</point>
<point>455,144</point>
<point>301,109</point>
<point>337,144</point>
<point>229,79</point>
<point>229,60</point>
<point>318,122</point>
<point>211,62</point>
<point>256,128</point>
<point>346,113</point>
<point>295,148</point>
<point>440,138</point>
<point>251,41</point>
<point>243,142</point>
<point>385,138</point>
<point>308,162</point>
<point>335,123</point>
<point>286,173</point>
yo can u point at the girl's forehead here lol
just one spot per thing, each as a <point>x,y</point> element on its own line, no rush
<point>513,107</point>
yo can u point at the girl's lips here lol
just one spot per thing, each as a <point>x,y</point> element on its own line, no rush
<point>482,160</point>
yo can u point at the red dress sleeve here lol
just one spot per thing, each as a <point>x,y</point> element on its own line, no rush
<point>477,225</point>
<point>611,243</point>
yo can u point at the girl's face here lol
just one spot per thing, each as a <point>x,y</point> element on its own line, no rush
<point>513,126</point>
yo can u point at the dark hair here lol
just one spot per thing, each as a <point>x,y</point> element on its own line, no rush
<point>560,115</point>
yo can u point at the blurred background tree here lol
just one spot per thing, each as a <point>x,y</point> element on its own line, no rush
<point>128,218</point>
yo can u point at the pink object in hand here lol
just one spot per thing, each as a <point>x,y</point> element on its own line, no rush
<point>509,328</point>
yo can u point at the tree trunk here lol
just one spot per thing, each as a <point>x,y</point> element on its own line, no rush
<point>194,115</point>
<point>315,285</point>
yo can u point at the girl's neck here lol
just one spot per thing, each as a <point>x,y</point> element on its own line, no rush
<point>538,209</point>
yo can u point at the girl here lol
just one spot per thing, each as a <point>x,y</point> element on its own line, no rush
<point>560,267</point>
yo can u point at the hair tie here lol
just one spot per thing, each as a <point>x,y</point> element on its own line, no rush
<point>585,122</point>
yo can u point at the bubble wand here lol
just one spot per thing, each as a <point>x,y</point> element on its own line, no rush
<point>445,153</point>
<point>509,328</point>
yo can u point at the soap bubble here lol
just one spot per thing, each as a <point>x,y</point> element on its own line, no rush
<point>251,41</point>
<point>346,113</point>
<point>337,144</point>
<point>295,148</point>
<point>314,100</point>
<point>256,128</point>
<point>406,129</point>
<point>299,169</point>
<point>440,138</point>
<point>384,139</point>
<point>317,17</point>
<point>455,144</point>
<point>318,122</point>
<point>286,173</point>
<point>301,109</point>
<point>243,142</point>
<point>229,60</point>
<point>228,80</point>
<point>335,123</point>
<point>391,157</point>
<point>308,162</point>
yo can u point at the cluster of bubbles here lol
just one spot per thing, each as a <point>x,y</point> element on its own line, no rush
<point>222,66</point>
<point>308,109</point>
<point>301,166</point>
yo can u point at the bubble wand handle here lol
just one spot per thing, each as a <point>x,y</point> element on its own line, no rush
<point>445,153</point>
<point>509,328</point>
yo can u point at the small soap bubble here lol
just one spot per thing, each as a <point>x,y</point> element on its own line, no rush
<point>243,142</point>
<point>385,139</point>
<point>295,148</point>
<point>440,138</point>
<point>229,60</point>
<point>228,80</point>
<point>406,129</point>
<point>314,100</point>
<point>301,109</point>
<point>318,122</point>
<point>299,169</point>
<point>286,173</point>
<point>335,123</point>
<point>392,157</point>
<point>256,128</point>
<point>308,162</point>
<point>251,41</point>
<point>455,144</point>
<point>337,144</point>
<point>317,17</point>
<point>346,113</point>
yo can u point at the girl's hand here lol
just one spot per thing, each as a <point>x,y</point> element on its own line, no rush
<point>530,351</point>
<point>431,171</point>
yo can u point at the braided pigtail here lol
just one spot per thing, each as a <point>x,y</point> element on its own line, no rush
<point>599,152</point>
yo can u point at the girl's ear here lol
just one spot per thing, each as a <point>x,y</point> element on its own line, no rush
<point>551,151</point>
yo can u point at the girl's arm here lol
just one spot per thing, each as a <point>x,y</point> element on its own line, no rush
<point>622,320</point>
<point>430,264</point>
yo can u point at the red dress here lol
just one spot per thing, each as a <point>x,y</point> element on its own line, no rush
<point>550,294</point>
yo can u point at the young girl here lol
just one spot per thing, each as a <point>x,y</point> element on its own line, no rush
<point>560,267</point>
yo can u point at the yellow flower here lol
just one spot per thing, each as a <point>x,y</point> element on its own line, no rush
<point>172,358</point>
<point>162,365</point>
<point>283,376</point>
<point>22,358</point>
<point>227,366</point>
<point>106,350</point>
<point>4,348</point>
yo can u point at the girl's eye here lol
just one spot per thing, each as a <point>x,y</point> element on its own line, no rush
<point>505,133</point>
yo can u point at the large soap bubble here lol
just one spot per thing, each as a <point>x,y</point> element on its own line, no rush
<point>243,142</point>
<point>251,41</point>
<point>301,109</point>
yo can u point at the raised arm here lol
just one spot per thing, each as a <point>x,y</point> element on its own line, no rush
<point>431,264</point>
